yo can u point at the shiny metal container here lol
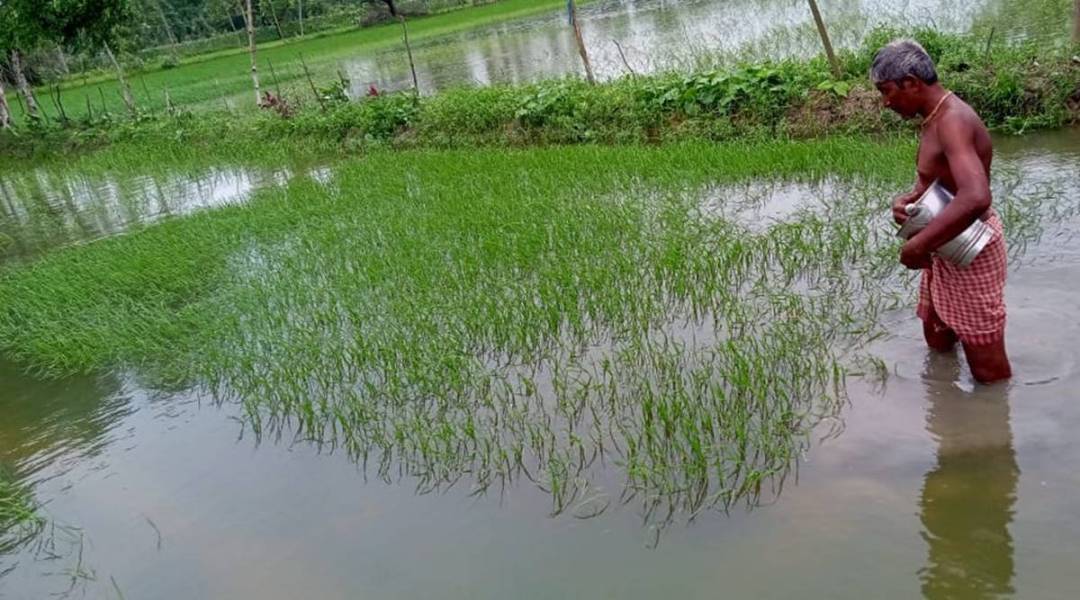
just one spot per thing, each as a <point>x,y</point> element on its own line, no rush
<point>962,249</point>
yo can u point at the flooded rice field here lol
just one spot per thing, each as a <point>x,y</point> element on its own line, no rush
<point>643,36</point>
<point>914,481</point>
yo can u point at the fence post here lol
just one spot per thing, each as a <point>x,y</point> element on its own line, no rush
<point>825,39</point>
<point>571,7</point>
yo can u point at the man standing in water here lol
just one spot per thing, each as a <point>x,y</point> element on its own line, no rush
<point>964,304</point>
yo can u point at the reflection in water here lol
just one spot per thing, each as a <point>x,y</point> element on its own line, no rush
<point>53,424</point>
<point>968,498</point>
<point>655,35</point>
<point>42,209</point>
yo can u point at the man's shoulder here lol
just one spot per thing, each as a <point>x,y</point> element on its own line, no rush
<point>962,118</point>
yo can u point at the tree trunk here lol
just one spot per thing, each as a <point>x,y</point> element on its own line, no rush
<point>408,50</point>
<point>580,41</point>
<point>300,7</point>
<point>125,89</point>
<point>1076,23</point>
<point>60,56</point>
<point>24,86</point>
<point>277,24</point>
<point>825,40</point>
<point>249,21</point>
<point>5,112</point>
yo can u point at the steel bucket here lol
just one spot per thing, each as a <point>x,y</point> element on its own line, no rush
<point>962,249</point>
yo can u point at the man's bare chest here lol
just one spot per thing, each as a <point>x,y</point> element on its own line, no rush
<point>932,163</point>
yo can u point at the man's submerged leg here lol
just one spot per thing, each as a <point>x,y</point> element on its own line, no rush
<point>937,334</point>
<point>989,362</point>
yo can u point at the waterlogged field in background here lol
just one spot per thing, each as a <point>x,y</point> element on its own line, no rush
<point>517,41</point>
<point>545,362</point>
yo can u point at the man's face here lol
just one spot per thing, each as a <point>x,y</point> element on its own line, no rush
<point>901,96</point>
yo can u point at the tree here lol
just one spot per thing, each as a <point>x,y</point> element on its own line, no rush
<point>1076,23</point>
<point>20,29</point>
<point>79,24</point>
<point>92,25</point>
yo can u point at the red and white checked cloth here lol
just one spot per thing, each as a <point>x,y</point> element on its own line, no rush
<point>969,300</point>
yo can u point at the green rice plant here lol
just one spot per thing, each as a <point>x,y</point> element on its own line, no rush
<point>487,317</point>
<point>20,520</point>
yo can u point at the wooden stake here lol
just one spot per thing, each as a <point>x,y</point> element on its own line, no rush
<point>825,39</point>
<point>623,57</point>
<point>125,89</point>
<point>104,107</point>
<point>572,7</point>
<point>277,84</point>
<point>314,90</point>
<point>412,65</point>
<point>60,104</point>
<point>277,24</point>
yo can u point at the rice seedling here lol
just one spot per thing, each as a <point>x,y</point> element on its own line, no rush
<point>487,317</point>
<point>20,521</point>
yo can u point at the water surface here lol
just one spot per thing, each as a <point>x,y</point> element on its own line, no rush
<point>935,487</point>
<point>643,36</point>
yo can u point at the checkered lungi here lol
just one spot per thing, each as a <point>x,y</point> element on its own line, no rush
<point>969,300</point>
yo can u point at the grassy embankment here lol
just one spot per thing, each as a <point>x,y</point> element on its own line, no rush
<point>1014,86</point>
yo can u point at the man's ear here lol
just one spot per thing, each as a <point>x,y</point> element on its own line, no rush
<point>911,83</point>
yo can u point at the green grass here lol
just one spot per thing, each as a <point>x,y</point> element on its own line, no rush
<point>502,315</point>
<point>204,80</point>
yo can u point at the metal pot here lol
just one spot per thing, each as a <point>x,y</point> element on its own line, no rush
<point>960,250</point>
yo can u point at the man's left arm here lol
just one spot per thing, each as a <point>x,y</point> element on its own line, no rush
<point>972,197</point>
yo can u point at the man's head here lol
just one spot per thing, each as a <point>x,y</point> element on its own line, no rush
<point>902,71</point>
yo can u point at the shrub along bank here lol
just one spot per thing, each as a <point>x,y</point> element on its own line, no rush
<point>1014,87</point>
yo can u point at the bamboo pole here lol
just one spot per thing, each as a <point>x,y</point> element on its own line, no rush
<point>572,8</point>
<point>5,111</point>
<point>125,89</point>
<point>249,21</point>
<point>168,29</point>
<point>824,33</point>
<point>412,65</point>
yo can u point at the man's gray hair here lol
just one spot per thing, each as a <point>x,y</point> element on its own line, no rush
<point>900,59</point>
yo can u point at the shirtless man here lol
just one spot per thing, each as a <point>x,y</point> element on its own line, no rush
<point>964,304</point>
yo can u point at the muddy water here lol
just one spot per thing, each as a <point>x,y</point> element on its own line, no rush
<point>936,486</point>
<point>652,35</point>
